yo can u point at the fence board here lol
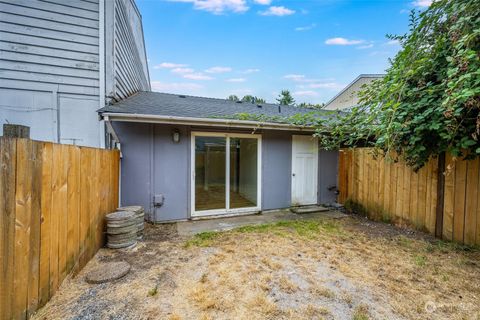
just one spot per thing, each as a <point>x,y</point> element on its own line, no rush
<point>34,258</point>
<point>84,208</point>
<point>8,160</point>
<point>471,201</point>
<point>57,168</point>
<point>459,200</point>
<point>46,206</point>
<point>449,197</point>
<point>433,180</point>
<point>23,213</point>
<point>53,200</point>
<point>414,199</point>
<point>477,234</point>
<point>63,211</point>
<point>73,204</point>
<point>405,196</point>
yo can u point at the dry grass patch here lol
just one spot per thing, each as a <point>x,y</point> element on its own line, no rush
<point>319,269</point>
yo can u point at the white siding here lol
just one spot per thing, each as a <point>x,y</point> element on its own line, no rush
<point>49,69</point>
<point>348,97</point>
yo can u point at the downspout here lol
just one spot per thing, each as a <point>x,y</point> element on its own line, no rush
<point>101,55</point>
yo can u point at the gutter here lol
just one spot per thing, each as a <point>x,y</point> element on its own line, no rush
<point>208,122</point>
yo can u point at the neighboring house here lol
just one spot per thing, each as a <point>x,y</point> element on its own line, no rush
<point>348,97</point>
<point>185,157</point>
<point>62,60</point>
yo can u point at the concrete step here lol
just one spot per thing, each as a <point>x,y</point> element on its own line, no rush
<point>308,209</point>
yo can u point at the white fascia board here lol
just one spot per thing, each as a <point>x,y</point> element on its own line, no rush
<point>208,122</point>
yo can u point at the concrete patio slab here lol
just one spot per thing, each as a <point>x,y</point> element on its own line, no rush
<point>187,228</point>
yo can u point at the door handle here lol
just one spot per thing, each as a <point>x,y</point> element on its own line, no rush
<point>293,174</point>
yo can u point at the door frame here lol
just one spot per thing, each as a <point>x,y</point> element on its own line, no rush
<point>315,169</point>
<point>227,210</point>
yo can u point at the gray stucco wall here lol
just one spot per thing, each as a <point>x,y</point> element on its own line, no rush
<point>327,176</point>
<point>276,169</point>
<point>171,173</point>
<point>135,164</point>
<point>153,164</point>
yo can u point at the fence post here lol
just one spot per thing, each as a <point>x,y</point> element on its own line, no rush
<point>440,195</point>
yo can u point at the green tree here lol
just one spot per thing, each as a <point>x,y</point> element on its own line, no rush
<point>260,100</point>
<point>248,98</point>
<point>252,99</point>
<point>317,106</point>
<point>233,97</point>
<point>429,100</point>
<point>285,98</point>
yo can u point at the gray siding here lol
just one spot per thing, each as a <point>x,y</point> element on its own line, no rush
<point>50,72</point>
<point>49,69</point>
<point>127,70</point>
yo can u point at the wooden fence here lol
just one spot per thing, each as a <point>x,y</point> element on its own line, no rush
<point>447,205</point>
<point>53,198</point>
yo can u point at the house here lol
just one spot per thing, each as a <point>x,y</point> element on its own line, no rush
<point>186,157</point>
<point>60,61</point>
<point>348,97</point>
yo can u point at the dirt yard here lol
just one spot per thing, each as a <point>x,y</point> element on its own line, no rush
<point>347,268</point>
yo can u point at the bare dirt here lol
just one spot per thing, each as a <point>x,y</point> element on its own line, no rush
<point>350,268</point>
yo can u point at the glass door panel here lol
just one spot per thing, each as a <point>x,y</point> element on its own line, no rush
<point>210,177</point>
<point>243,172</point>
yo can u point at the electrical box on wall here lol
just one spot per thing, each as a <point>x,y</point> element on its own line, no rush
<point>158,200</point>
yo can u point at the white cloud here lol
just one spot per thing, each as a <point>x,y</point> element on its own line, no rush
<point>236,80</point>
<point>169,65</point>
<point>197,76</point>
<point>174,87</point>
<point>277,11</point>
<point>218,70</point>
<point>182,70</point>
<point>263,2</point>
<point>218,6</point>
<point>342,42</point>
<point>249,71</point>
<point>308,93</point>
<point>306,28</point>
<point>295,77</point>
<point>422,3</point>
<point>393,43</point>
<point>367,46</point>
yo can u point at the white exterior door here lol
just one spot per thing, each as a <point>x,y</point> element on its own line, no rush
<point>304,170</point>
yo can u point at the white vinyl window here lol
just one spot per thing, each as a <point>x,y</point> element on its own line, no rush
<point>226,177</point>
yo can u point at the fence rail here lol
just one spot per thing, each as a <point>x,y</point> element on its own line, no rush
<point>52,199</point>
<point>393,191</point>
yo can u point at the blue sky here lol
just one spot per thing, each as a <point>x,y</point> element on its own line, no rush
<point>313,48</point>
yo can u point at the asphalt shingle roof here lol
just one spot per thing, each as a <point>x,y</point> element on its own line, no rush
<point>166,104</point>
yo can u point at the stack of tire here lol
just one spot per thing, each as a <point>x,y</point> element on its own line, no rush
<point>121,229</point>
<point>139,214</point>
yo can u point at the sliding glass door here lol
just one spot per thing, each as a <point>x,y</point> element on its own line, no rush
<point>226,173</point>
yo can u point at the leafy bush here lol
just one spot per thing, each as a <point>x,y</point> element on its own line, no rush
<point>429,100</point>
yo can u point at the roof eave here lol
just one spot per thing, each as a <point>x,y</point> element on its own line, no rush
<point>208,122</point>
